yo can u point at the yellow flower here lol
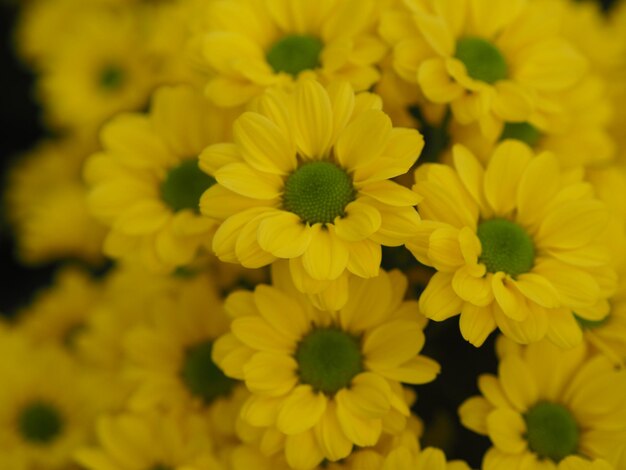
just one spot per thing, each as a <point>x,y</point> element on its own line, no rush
<point>102,68</point>
<point>550,409</point>
<point>169,356</point>
<point>323,381</point>
<point>146,183</point>
<point>249,46</point>
<point>492,62</point>
<point>151,441</point>
<point>307,179</point>
<point>516,245</point>
<point>46,203</point>
<point>46,406</point>
<point>58,314</point>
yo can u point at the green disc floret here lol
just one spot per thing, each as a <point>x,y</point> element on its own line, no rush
<point>483,60</point>
<point>328,359</point>
<point>295,53</point>
<point>506,247</point>
<point>111,77</point>
<point>40,423</point>
<point>552,431</point>
<point>184,184</point>
<point>201,376</point>
<point>591,324</point>
<point>318,192</point>
<point>522,131</point>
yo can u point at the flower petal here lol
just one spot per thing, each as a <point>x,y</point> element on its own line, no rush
<point>301,410</point>
<point>364,139</point>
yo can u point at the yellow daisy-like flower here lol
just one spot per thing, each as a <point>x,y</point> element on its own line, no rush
<point>151,441</point>
<point>307,179</point>
<point>491,62</point>
<point>550,409</point>
<point>170,356</point>
<point>46,406</point>
<point>58,314</point>
<point>102,68</point>
<point>516,245</point>
<point>323,381</point>
<point>46,204</point>
<point>146,183</point>
<point>249,46</point>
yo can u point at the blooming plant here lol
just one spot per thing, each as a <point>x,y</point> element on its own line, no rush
<point>296,235</point>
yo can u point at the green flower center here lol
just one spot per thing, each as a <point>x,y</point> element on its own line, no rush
<point>111,78</point>
<point>482,59</point>
<point>521,131</point>
<point>318,192</point>
<point>295,53</point>
<point>40,423</point>
<point>552,431</point>
<point>184,185</point>
<point>328,359</point>
<point>506,247</point>
<point>591,324</point>
<point>202,377</point>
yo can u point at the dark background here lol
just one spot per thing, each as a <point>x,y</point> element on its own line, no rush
<point>20,129</point>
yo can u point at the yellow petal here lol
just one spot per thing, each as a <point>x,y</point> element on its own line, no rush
<point>537,187</point>
<point>284,235</point>
<point>390,193</point>
<point>365,258</point>
<point>419,370</point>
<point>270,374</point>
<point>261,410</point>
<point>436,32</point>
<point>301,410</point>
<point>573,224</point>
<point>327,256</point>
<point>436,83</point>
<point>244,180</point>
<point>563,329</point>
<point>502,177</point>
<point>439,301</point>
<point>335,445</point>
<point>281,312</point>
<point>476,323</point>
<point>538,289</point>
<point>263,145</point>
<point>517,382</point>
<point>364,139</point>
<point>313,119</point>
<point>512,302</point>
<point>221,203</point>
<point>371,295</point>
<point>473,413</point>
<point>506,429</point>
<point>392,344</point>
<point>361,431</point>
<point>302,451</point>
<point>247,249</point>
<point>256,333</point>
<point>142,218</point>
<point>360,221</point>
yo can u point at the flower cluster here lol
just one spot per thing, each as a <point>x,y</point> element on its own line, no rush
<point>275,202</point>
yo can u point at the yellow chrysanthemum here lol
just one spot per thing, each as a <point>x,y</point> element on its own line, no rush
<point>151,441</point>
<point>307,179</point>
<point>249,46</point>
<point>550,409</point>
<point>102,68</point>
<point>59,313</point>
<point>170,356</point>
<point>46,406</point>
<point>577,133</point>
<point>46,203</point>
<point>516,245</point>
<point>322,381</point>
<point>146,183</point>
<point>492,62</point>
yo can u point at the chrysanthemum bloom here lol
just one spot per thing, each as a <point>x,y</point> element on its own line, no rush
<point>516,245</point>
<point>102,68</point>
<point>169,356</point>
<point>46,203</point>
<point>307,179</point>
<point>577,132</point>
<point>250,45</point>
<point>146,183</point>
<point>59,313</point>
<point>151,441</point>
<point>491,62</point>
<point>550,409</point>
<point>322,381</point>
<point>47,406</point>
